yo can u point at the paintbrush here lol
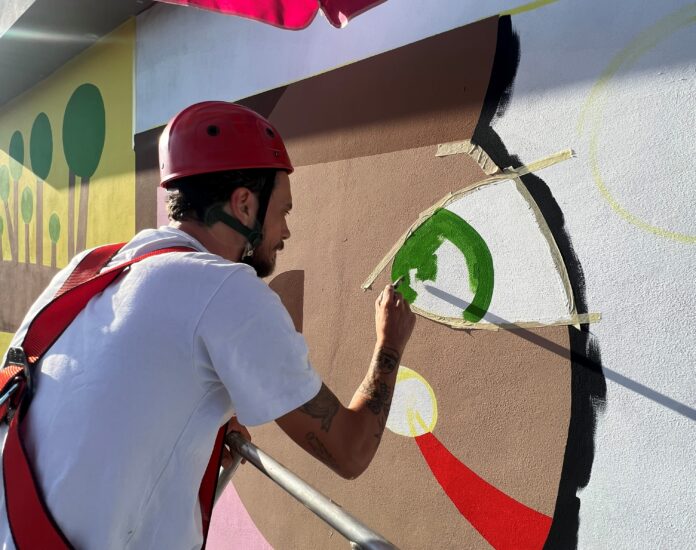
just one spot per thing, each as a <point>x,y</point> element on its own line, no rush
<point>396,283</point>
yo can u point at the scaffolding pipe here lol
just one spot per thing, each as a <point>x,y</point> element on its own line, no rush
<point>360,536</point>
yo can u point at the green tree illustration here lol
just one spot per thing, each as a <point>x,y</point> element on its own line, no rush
<point>84,132</point>
<point>16,168</point>
<point>54,234</point>
<point>41,154</point>
<point>5,196</point>
<point>27,214</point>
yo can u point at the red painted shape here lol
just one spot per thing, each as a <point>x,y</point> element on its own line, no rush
<point>287,14</point>
<point>504,522</point>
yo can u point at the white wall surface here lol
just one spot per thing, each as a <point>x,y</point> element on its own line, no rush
<point>642,493</point>
<point>528,286</point>
<point>10,11</point>
<point>186,55</point>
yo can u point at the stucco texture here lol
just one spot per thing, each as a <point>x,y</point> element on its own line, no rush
<point>614,82</point>
<point>364,139</point>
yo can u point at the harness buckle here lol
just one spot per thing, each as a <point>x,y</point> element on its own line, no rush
<point>17,358</point>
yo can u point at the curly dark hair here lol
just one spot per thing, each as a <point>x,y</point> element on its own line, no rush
<point>191,196</point>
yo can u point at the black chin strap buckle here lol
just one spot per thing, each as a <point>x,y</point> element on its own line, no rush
<point>253,235</point>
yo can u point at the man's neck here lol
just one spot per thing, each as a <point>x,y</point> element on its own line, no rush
<point>217,239</point>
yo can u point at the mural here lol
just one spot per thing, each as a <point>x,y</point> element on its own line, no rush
<point>599,99</point>
<point>620,104</point>
<point>66,170</point>
<point>501,520</point>
<point>445,162</point>
<point>486,414</point>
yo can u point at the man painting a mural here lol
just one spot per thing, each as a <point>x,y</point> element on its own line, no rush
<point>519,170</point>
<point>129,398</point>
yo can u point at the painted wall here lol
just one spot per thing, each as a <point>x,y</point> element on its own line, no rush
<point>240,57</point>
<point>624,99</point>
<point>67,174</point>
<point>592,428</point>
<point>540,435</point>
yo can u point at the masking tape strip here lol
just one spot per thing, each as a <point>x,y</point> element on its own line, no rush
<point>474,151</point>
<point>506,174</point>
<point>461,324</point>
<point>553,246</point>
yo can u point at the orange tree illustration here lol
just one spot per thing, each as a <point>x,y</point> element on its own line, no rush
<point>5,197</point>
<point>27,214</point>
<point>84,132</point>
<point>16,168</point>
<point>41,155</point>
<point>54,234</point>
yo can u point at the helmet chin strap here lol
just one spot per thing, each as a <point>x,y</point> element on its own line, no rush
<point>253,235</point>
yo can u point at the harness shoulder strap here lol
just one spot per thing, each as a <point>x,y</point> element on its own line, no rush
<point>30,521</point>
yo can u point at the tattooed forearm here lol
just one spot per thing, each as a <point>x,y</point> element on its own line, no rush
<point>385,361</point>
<point>378,387</point>
<point>378,394</point>
<point>323,407</point>
<point>320,451</point>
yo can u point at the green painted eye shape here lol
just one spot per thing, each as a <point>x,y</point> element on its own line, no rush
<point>418,252</point>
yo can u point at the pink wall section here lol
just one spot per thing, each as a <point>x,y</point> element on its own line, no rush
<point>232,528</point>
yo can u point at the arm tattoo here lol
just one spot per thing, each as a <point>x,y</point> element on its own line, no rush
<point>385,361</point>
<point>324,406</point>
<point>320,451</point>
<point>378,394</point>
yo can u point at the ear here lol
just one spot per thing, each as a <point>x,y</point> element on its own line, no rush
<point>243,205</point>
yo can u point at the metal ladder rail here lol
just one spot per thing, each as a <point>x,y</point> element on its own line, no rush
<point>360,535</point>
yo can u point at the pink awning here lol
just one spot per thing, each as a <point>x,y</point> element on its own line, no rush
<point>287,14</point>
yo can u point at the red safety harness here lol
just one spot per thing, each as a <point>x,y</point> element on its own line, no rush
<point>31,522</point>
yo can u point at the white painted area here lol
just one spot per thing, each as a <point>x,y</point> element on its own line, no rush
<point>642,493</point>
<point>527,284</point>
<point>655,106</point>
<point>412,396</point>
<point>186,55</point>
<point>11,11</point>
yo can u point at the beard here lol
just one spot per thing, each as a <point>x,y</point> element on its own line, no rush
<point>262,261</point>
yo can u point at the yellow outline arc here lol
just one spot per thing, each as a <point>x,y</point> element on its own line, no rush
<point>644,42</point>
<point>531,6</point>
<point>413,417</point>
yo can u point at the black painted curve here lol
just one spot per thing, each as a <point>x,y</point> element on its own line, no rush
<point>588,385</point>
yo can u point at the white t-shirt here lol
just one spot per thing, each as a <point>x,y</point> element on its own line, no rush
<point>129,399</point>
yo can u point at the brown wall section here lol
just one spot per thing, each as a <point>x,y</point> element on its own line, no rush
<point>289,286</point>
<point>503,402</point>
<point>146,178</point>
<point>22,284</point>
<point>424,93</point>
<point>363,141</point>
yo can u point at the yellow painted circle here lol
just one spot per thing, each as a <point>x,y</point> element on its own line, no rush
<point>643,43</point>
<point>414,406</point>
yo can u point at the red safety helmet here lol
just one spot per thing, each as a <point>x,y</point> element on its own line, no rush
<point>215,136</point>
